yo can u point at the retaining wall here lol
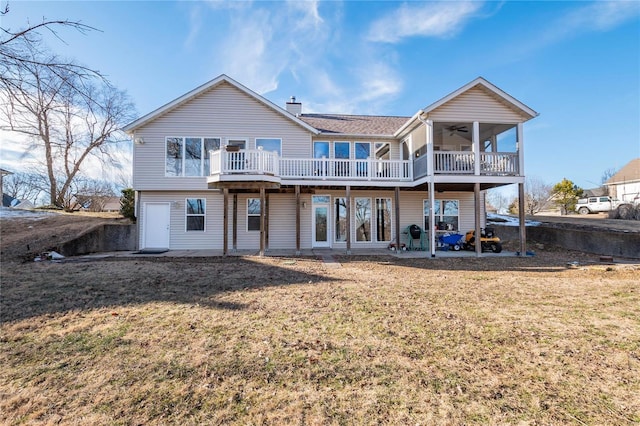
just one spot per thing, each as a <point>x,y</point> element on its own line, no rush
<point>100,239</point>
<point>605,242</point>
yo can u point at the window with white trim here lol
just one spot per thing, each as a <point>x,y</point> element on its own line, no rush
<point>187,156</point>
<point>269,145</point>
<point>341,219</point>
<point>195,214</point>
<point>253,214</point>
<point>383,219</point>
<point>363,219</point>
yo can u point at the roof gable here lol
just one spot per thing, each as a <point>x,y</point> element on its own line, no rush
<point>495,92</point>
<point>629,173</point>
<point>176,103</point>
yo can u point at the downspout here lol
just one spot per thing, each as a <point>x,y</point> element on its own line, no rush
<point>429,143</point>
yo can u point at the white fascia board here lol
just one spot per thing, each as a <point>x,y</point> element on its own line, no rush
<point>484,83</point>
<point>129,128</point>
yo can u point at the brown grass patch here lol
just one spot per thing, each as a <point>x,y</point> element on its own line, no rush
<point>281,341</point>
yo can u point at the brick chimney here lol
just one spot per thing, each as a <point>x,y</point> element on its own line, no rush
<point>294,107</point>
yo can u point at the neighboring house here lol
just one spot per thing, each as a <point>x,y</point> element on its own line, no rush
<point>9,201</point>
<point>221,167</point>
<point>625,185</point>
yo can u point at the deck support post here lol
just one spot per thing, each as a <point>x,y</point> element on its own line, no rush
<point>348,206</point>
<point>297,220</point>
<point>225,222</point>
<point>234,220</point>
<point>266,222</point>
<point>478,230</point>
<point>432,217</point>
<point>262,221</point>
<point>397,215</point>
<point>521,220</point>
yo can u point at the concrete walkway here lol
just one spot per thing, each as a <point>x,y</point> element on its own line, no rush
<point>327,255</point>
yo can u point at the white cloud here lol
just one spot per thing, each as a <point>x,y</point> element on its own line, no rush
<point>441,19</point>
<point>602,15</point>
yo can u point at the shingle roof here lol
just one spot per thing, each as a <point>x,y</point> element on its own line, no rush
<point>354,124</point>
<point>629,173</point>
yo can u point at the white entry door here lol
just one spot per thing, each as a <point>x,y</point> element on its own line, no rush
<point>320,228</point>
<point>156,225</point>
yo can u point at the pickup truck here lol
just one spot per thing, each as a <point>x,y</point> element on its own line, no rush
<point>596,204</point>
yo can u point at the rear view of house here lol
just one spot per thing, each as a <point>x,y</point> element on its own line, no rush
<point>222,167</point>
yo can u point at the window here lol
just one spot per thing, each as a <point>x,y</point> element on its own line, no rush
<point>253,214</point>
<point>362,152</point>
<point>195,214</point>
<point>270,145</point>
<point>210,144</point>
<point>320,150</point>
<point>383,219</point>
<point>189,156</point>
<point>174,156</point>
<point>363,219</point>
<point>446,213</point>
<point>342,151</point>
<point>341,219</point>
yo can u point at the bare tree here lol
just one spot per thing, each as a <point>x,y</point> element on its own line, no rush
<point>25,186</point>
<point>68,117</point>
<point>536,195</point>
<point>93,194</point>
<point>498,200</point>
<point>606,175</point>
<point>24,47</point>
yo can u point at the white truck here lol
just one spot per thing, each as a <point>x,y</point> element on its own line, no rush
<point>596,204</point>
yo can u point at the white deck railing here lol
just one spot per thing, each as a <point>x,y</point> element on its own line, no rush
<point>453,162</point>
<point>246,161</point>
<point>259,162</point>
<point>499,163</point>
<point>333,168</point>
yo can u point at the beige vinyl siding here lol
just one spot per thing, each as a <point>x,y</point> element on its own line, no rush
<point>282,218</point>
<point>476,105</point>
<point>179,238</point>
<point>223,112</point>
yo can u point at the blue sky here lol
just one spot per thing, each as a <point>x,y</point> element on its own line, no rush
<point>576,63</point>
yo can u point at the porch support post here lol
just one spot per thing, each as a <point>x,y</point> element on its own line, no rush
<point>429,138</point>
<point>520,145</point>
<point>297,220</point>
<point>478,235</point>
<point>262,221</point>
<point>521,219</point>
<point>225,221</point>
<point>348,205</point>
<point>266,222</point>
<point>234,243</point>
<point>476,147</point>
<point>397,211</point>
<point>432,217</point>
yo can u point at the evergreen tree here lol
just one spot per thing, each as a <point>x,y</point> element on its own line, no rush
<point>565,195</point>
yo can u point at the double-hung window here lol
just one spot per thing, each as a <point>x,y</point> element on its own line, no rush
<point>189,156</point>
<point>195,213</point>
<point>253,214</point>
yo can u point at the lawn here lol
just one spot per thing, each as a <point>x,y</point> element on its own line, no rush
<point>290,341</point>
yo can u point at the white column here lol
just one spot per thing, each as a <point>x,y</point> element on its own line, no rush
<point>432,218</point>
<point>429,141</point>
<point>476,147</point>
<point>520,148</point>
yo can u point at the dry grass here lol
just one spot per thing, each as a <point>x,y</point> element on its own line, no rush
<point>288,341</point>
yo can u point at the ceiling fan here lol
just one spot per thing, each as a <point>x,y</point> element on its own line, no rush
<point>461,129</point>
